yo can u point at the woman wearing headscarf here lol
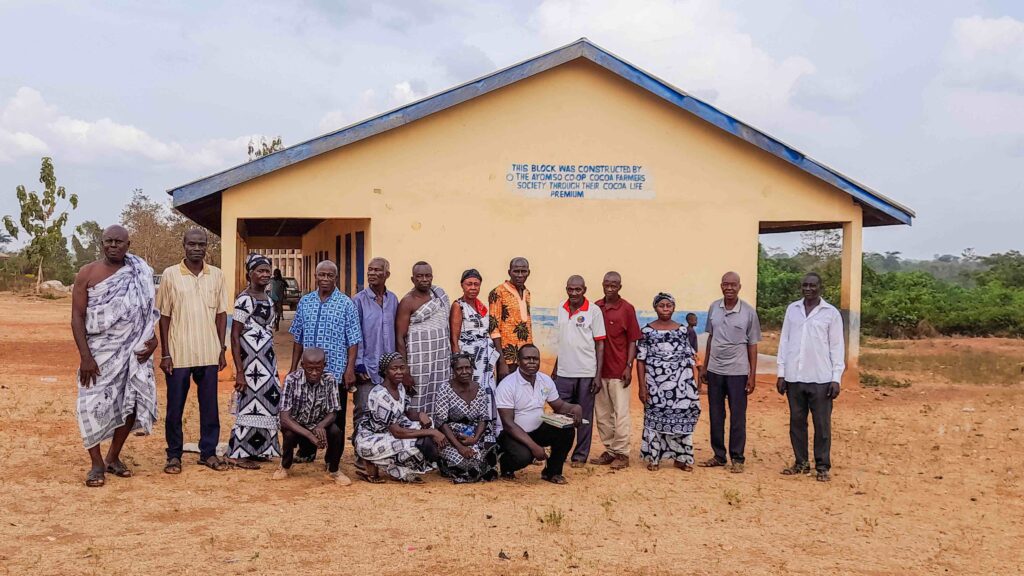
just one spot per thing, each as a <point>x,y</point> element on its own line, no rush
<point>471,328</point>
<point>465,414</point>
<point>667,389</point>
<point>387,438</point>
<point>257,390</point>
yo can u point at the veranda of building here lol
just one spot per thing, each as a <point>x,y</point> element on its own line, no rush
<point>651,182</point>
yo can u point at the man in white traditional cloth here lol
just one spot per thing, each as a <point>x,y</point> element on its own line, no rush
<point>112,318</point>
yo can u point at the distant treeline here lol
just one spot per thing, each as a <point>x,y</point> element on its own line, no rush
<point>950,295</point>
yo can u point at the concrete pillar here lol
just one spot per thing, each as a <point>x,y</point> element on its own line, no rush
<point>229,252</point>
<point>852,261</point>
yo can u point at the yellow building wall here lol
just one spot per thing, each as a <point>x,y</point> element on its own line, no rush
<point>326,237</point>
<point>436,190</point>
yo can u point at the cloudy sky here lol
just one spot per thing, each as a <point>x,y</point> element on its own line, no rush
<point>922,100</point>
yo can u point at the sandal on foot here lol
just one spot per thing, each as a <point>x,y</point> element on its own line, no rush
<point>823,476</point>
<point>797,469</point>
<point>683,466</point>
<point>554,479</point>
<point>653,467</point>
<point>95,478</point>
<point>214,463</point>
<point>173,466</point>
<point>371,478</point>
<point>712,463</point>
<point>119,469</point>
<point>245,464</point>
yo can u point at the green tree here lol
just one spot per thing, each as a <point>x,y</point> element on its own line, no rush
<point>43,218</point>
<point>156,232</point>
<point>821,244</point>
<point>1006,269</point>
<point>87,242</point>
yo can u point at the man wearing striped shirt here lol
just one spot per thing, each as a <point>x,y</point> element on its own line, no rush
<point>193,320</point>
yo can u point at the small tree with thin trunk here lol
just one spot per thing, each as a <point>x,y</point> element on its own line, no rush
<point>43,218</point>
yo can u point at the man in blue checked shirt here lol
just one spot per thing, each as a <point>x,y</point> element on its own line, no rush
<point>328,319</point>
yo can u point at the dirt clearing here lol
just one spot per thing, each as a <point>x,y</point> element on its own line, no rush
<point>926,480</point>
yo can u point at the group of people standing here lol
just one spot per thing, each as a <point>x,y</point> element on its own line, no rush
<point>437,385</point>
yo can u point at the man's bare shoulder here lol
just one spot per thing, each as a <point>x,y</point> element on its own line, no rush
<point>94,272</point>
<point>407,299</point>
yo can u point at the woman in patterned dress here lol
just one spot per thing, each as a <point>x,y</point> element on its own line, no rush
<point>667,389</point>
<point>387,438</point>
<point>465,414</point>
<point>471,328</point>
<point>257,390</point>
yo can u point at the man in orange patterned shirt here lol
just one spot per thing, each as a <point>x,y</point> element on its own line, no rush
<point>511,326</point>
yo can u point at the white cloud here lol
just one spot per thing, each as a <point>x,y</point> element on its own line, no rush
<point>29,126</point>
<point>15,144</point>
<point>408,91</point>
<point>987,53</point>
<point>979,93</point>
<point>463,62</point>
<point>695,44</point>
<point>372,103</point>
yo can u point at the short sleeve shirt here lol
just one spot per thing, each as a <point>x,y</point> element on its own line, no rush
<point>309,403</point>
<point>332,325</point>
<point>621,328</point>
<point>524,399</point>
<point>577,332</point>
<point>192,301</point>
<point>731,332</point>
<point>510,319</point>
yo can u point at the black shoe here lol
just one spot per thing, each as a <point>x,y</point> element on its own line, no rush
<point>797,469</point>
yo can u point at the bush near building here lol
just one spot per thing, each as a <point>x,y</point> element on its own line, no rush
<point>905,298</point>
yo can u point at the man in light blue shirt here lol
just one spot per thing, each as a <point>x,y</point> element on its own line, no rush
<point>327,319</point>
<point>376,307</point>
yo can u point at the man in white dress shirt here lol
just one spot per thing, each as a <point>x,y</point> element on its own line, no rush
<point>811,365</point>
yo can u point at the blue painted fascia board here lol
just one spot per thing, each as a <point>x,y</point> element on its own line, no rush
<point>582,48</point>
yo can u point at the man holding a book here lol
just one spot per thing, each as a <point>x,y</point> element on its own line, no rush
<point>520,400</point>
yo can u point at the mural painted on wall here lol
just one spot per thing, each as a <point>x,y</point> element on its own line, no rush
<point>580,181</point>
<point>545,324</point>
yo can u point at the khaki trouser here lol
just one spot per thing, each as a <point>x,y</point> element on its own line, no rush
<point>611,411</point>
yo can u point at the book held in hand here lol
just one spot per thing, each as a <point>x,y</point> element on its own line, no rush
<point>560,420</point>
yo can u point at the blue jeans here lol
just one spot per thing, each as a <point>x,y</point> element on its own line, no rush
<point>205,378</point>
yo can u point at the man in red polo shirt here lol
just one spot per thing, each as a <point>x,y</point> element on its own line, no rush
<point>611,406</point>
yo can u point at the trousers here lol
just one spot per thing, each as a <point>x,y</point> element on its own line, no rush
<point>807,397</point>
<point>178,383</point>
<point>577,391</point>
<point>335,444</point>
<point>515,455</point>
<point>732,390</point>
<point>611,412</point>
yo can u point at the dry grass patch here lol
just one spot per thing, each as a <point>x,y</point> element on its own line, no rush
<point>872,380</point>
<point>956,366</point>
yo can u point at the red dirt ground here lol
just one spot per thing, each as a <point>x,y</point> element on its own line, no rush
<point>927,480</point>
